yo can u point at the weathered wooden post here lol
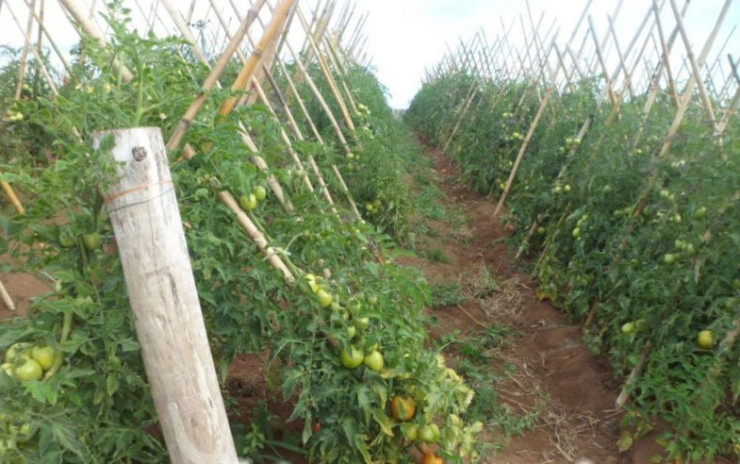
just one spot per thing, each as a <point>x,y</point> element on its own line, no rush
<point>169,323</point>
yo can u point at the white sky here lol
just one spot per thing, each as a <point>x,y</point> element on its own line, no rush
<point>407,36</point>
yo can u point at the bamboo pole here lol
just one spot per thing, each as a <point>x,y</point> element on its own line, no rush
<point>605,72</point>
<point>526,142</point>
<point>281,98</point>
<point>695,67</point>
<point>6,297</point>
<point>681,111</point>
<point>39,58</point>
<point>40,22</point>
<point>13,197</point>
<point>74,8</point>
<point>678,119</point>
<point>621,57</point>
<point>280,16</point>
<point>330,79</point>
<point>465,105</point>
<point>184,29</point>
<point>212,80</point>
<point>256,235</point>
<point>163,295</point>
<point>26,48</point>
<point>320,98</point>
<point>263,97</point>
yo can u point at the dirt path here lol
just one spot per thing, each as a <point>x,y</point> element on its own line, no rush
<point>548,370</point>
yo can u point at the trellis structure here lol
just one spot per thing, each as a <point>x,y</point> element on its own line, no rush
<point>658,57</point>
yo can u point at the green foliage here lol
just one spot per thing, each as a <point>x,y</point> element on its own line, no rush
<point>622,235</point>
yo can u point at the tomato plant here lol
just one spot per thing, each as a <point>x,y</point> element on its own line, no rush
<point>91,401</point>
<point>640,247</point>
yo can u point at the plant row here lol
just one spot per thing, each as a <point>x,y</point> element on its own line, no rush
<point>639,244</point>
<point>346,344</point>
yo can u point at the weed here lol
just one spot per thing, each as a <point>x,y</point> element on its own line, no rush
<point>448,294</point>
<point>437,255</point>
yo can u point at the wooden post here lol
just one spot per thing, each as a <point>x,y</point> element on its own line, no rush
<point>169,323</point>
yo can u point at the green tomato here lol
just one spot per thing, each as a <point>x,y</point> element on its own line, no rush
<point>21,432</point>
<point>29,370</point>
<point>66,239</point>
<point>351,358</point>
<point>93,241</point>
<point>669,258</point>
<point>410,431</point>
<point>15,350</point>
<point>628,327</point>
<point>44,355</point>
<point>248,202</point>
<point>260,192</point>
<point>429,433</point>
<point>325,298</point>
<point>705,339</point>
<point>351,332</point>
<point>362,323</point>
<point>9,369</point>
<point>374,361</point>
<point>577,232</point>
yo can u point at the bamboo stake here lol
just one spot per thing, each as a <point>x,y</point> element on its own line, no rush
<point>26,47</point>
<point>226,197</point>
<point>330,79</point>
<point>621,58</point>
<point>680,113</point>
<point>600,56</point>
<point>6,297</point>
<point>316,133</point>
<point>40,60</point>
<point>263,97</point>
<point>211,81</point>
<point>256,235</point>
<point>91,29</point>
<point>299,135</point>
<point>280,16</point>
<point>320,98</point>
<point>342,73</point>
<point>40,37</point>
<point>184,30</point>
<point>526,142</point>
<point>13,198</point>
<point>464,109</point>
<point>40,22</point>
<point>678,119</point>
<point>695,68</point>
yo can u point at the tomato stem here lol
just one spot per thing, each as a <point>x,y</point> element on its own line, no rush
<point>66,329</point>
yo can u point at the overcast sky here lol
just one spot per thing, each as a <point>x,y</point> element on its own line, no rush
<point>406,36</point>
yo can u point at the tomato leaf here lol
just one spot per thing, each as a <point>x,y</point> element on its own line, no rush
<point>383,421</point>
